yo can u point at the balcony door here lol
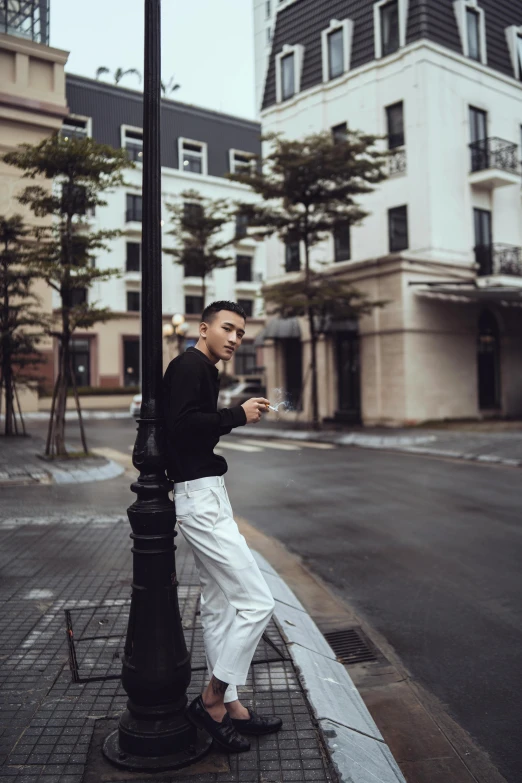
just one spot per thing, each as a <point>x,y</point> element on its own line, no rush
<point>348,377</point>
<point>483,241</point>
<point>488,362</point>
<point>478,130</point>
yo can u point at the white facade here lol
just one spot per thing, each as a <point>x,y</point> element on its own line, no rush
<point>418,355</point>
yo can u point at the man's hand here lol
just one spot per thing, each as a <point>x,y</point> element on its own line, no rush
<point>254,408</point>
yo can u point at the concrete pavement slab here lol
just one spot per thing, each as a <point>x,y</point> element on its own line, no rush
<point>299,628</point>
<point>358,758</point>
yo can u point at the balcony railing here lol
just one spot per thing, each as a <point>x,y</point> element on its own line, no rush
<point>25,19</point>
<point>397,161</point>
<point>494,153</point>
<point>499,259</point>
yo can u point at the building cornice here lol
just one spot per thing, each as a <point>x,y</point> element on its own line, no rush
<point>13,43</point>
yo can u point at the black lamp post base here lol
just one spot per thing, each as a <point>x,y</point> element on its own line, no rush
<point>183,758</point>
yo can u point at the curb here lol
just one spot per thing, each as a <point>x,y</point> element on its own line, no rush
<point>80,475</point>
<point>355,744</point>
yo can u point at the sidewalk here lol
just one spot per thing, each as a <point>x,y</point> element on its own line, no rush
<point>20,463</point>
<point>51,728</point>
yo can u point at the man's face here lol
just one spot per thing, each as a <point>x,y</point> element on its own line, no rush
<point>223,335</point>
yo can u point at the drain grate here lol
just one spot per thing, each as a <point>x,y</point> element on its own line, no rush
<point>349,646</point>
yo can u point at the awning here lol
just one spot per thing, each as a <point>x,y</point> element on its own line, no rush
<point>510,296</point>
<point>279,329</point>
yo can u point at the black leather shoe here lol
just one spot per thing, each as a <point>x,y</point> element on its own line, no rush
<point>257,724</point>
<point>224,733</point>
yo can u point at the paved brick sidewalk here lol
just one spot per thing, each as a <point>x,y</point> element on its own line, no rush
<point>47,722</point>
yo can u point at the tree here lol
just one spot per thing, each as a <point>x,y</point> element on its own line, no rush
<point>65,247</point>
<point>309,188</point>
<point>21,325</point>
<point>119,73</point>
<point>167,88</point>
<point>199,227</point>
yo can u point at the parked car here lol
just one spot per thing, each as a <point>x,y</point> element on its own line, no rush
<point>135,406</point>
<point>240,392</point>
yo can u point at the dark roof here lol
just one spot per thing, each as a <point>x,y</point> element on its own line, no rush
<point>111,106</point>
<point>303,21</point>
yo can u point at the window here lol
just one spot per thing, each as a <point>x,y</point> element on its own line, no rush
<point>132,142</point>
<point>193,305</point>
<point>134,208</point>
<point>268,9</point>
<point>478,129</point>
<point>473,30</point>
<point>336,53</point>
<point>514,41</point>
<point>395,125</point>
<point>76,127</point>
<point>193,156</point>
<point>288,76</point>
<point>519,56</point>
<point>398,228</point>
<point>131,361</point>
<point>245,358</point>
<point>292,255</point>
<point>483,240</point>
<point>133,301</point>
<point>133,261</point>
<point>244,269</point>
<point>340,133</point>
<point>389,27</point>
<point>241,225</point>
<point>248,307</point>
<point>471,23</point>
<point>288,72</point>
<point>342,244</point>
<point>78,296</point>
<point>193,268</point>
<point>74,199</point>
<point>192,213</point>
<point>80,349</point>
<point>241,161</point>
<point>269,35</point>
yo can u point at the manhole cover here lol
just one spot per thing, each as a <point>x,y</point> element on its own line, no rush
<point>350,646</point>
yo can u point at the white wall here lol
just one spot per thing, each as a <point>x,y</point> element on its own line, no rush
<point>437,87</point>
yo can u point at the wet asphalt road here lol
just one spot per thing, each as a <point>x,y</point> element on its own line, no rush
<point>427,551</point>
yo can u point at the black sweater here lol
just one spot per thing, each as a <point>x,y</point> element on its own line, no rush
<point>193,423</point>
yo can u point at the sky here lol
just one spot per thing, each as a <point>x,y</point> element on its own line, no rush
<point>207,45</point>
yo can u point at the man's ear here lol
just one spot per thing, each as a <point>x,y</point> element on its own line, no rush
<point>203,328</point>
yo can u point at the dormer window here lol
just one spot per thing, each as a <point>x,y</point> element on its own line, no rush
<point>132,142</point>
<point>288,72</point>
<point>471,22</point>
<point>337,42</point>
<point>193,156</point>
<point>514,39</point>
<point>390,23</point>
<point>75,127</point>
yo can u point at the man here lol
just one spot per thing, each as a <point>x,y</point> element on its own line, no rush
<point>236,603</point>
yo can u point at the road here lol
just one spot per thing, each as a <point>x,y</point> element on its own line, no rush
<point>426,551</point>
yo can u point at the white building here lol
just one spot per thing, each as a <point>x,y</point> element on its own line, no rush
<point>442,82</point>
<point>199,148</point>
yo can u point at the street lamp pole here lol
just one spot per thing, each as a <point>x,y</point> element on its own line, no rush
<point>153,734</point>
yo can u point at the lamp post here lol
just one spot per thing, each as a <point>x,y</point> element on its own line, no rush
<point>153,734</point>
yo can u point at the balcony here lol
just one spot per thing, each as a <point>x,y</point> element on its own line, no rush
<point>499,260</point>
<point>494,163</point>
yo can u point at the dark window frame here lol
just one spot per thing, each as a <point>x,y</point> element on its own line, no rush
<point>338,34</point>
<point>394,236</point>
<point>395,130</point>
<point>248,306</point>
<point>245,352</point>
<point>288,95</point>
<point>393,44</point>
<point>244,268</point>
<point>133,259</point>
<point>193,304</point>
<point>193,152</point>
<point>134,210</point>
<point>292,255</point>
<point>476,46</point>
<point>342,243</point>
<point>133,296</point>
<point>340,133</point>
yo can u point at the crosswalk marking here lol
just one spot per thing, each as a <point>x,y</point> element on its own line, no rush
<point>272,444</point>
<point>239,446</point>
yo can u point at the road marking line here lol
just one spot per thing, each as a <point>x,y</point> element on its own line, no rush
<point>272,444</point>
<point>239,447</point>
<point>309,444</point>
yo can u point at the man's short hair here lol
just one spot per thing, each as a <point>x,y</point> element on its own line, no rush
<point>211,310</point>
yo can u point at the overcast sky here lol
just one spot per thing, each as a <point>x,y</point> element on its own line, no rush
<point>206,44</point>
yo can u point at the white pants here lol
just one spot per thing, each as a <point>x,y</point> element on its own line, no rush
<point>236,603</point>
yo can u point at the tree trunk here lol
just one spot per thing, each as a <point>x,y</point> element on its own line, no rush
<point>61,401</point>
<point>7,373</point>
<point>313,342</point>
<point>78,407</point>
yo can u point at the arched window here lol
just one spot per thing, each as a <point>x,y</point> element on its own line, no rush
<point>488,362</point>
